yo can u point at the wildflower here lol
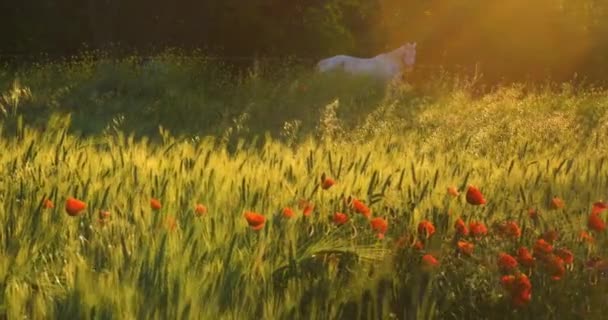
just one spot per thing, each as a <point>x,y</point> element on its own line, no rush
<point>307,211</point>
<point>461,228</point>
<point>507,281</point>
<point>523,290</point>
<point>74,206</point>
<point>426,229</point>
<point>401,242</point>
<point>255,220</point>
<point>453,191</point>
<point>512,230</point>
<point>200,210</point>
<point>170,223</point>
<point>525,258</point>
<point>104,214</point>
<point>555,266</point>
<point>599,207</point>
<point>380,226</point>
<point>519,288</point>
<point>533,213</point>
<point>48,204</point>
<point>155,204</point>
<point>361,208</point>
<point>542,248</point>
<point>596,223</point>
<point>288,212</point>
<point>465,247</point>
<point>327,183</point>
<point>585,236</point>
<point>506,262</point>
<point>565,254</point>
<point>306,207</point>
<point>103,217</point>
<point>418,245</point>
<point>429,261</point>
<point>477,229</point>
<point>474,196</point>
<point>340,218</point>
<point>550,236</point>
<point>557,203</point>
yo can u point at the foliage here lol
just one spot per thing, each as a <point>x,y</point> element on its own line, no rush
<point>396,149</point>
<point>508,40</point>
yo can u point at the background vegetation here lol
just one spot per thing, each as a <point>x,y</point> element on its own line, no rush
<point>507,40</point>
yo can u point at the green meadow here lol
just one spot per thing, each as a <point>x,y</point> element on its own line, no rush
<point>188,131</point>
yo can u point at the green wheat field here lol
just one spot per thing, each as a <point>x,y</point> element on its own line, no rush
<point>127,191</point>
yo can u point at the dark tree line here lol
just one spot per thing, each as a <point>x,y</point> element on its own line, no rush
<point>513,39</point>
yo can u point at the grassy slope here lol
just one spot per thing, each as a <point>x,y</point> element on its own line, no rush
<point>396,149</point>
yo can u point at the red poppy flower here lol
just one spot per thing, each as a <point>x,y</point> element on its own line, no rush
<point>74,206</point>
<point>327,183</point>
<point>555,267</point>
<point>519,288</point>
<point>302,203</point>
<point>465,247</point>
<point>288,212</point>
<point>461,228</point>
<point>361,208</point>
<point>340,218</point>
<point>474,196</point>
<point>418,245</point>
<point>48,204</point>
<point>306,207</point>
<point>308,210</point>
<point>557,203</point>
<point>506,262</point>
<point>426,229</point>
<point>255,220</point>
<point>521,298</point>
<point>525,258</point>
<point>550,236</point>
<point>565,254</point>
<point>155,204</point>
<point>542,248</point>
<point>429,261</point>
<point>586,237</point>
<point>401,242</point>
<point>104,214</point>
<point>596,223</point>
<point>453,191</point>
<point>521,294</point>
<point>379,225</point>
<point>200,210</point>
<point>512,230</point>
<point>599,207</point>
<point>533,213</point>
<point>477,229</point>
<point>170,223</point>
<point>507,282</point>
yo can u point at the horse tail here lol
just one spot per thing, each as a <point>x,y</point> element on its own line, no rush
<point>321,66</point>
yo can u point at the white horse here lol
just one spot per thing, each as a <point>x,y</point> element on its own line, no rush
<point>385,66</point>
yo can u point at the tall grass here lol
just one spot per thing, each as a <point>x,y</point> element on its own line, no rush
<point>184,131</point>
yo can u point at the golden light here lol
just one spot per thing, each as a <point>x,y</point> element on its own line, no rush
<point>524,36</point>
